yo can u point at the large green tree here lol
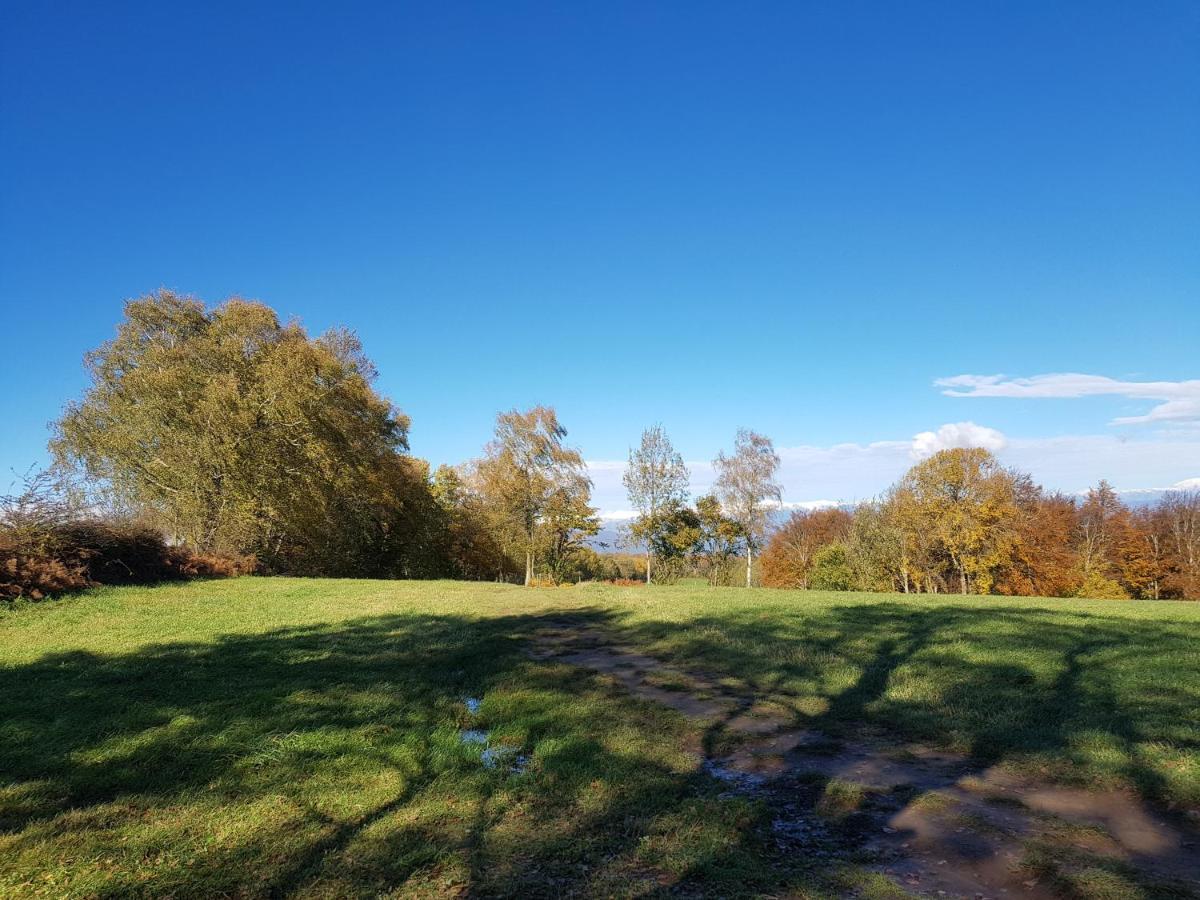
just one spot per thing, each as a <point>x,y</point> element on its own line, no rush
<point>236,432</point>
<point>657,482</point>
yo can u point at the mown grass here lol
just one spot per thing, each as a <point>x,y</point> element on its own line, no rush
<point>267,737</point>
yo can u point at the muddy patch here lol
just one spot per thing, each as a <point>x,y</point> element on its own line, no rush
<point>935,823</point>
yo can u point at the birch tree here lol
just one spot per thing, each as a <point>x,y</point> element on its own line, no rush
<point>657,482</point>
<point>745,482</point>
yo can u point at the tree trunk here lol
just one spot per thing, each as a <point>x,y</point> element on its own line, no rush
<point>647,567</point>
<point>749,559</point>
<point>528,567</point>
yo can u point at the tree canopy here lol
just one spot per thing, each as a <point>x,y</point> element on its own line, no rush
<point>238,433</point>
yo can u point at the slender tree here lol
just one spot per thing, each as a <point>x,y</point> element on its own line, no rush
<point>657,482</point>
<point>527,470</point>
<point>745,482</point>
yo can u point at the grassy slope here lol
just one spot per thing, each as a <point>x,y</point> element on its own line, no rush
<point>265,736</point>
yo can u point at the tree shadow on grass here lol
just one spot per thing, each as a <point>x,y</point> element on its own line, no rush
<point>326,760</point>
<point>1065,695</point>
<point>994,682</point>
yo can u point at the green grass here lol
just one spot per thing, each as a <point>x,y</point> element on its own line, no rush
<point>301,737</point>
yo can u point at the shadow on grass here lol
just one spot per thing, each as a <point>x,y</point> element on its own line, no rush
<point>325,760</point>
<point>1109,698</point>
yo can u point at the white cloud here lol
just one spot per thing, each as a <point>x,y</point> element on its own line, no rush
<point>850,472</point>
<point>809,505</point>
<point>956,434</point>
<point>1188,484</point>
<point>605,465</point>
<point>618,515</point>
<point>1180,400</point>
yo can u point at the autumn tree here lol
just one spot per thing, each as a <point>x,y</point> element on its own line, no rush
<point>568,520</point>
<point>1100,523</point>
<point>472,548</point>
<point>1180,523</point>
<point>234,432</point>
<point>745,483</point>
<point>788,557</point>
<point>718,540</point>
<point>964,501</point>
<point>531,479</point>
<point>657,482</point>
<point>1043,560</point>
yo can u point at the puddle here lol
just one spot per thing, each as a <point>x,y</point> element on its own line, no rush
<point>741,781</point>
<point>493,757</point>
<point>505,757</point>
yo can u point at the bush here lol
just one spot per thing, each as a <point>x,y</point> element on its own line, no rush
<point>831,569</point>
<point>43,561</point>
<point>35,576</point>
<point>666,571</point>
<point>1096,587</point>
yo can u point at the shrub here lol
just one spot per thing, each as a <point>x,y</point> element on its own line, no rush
<point>61,559</point>
<point>35,576</point>
<point>1096,587</point>
<point>831,569</point>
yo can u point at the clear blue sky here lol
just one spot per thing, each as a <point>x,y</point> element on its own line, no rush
<point>790,216</point>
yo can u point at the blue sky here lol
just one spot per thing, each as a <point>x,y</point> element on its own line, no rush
<point>794,217</point>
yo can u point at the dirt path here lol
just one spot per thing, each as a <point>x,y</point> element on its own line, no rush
<point>935,823</point>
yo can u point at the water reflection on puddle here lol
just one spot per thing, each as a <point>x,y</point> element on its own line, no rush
<point>499,756</point>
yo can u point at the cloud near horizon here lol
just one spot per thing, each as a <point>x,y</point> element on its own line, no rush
<point>1179,400</point>
<point>849,472</point>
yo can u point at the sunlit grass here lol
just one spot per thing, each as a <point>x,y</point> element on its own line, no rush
<point>289,736</point>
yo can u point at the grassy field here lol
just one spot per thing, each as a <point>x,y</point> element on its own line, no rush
<point>268,737</point>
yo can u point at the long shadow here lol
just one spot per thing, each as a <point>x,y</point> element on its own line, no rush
<point>326,758</point>
<point>89,742</point>
<point>997,684</point>
<point>994,682</point>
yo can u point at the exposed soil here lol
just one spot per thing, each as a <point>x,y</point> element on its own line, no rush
<point>935,823</point>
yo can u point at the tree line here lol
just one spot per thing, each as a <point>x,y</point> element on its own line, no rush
<point>959,522</point>
<point>238,436</point>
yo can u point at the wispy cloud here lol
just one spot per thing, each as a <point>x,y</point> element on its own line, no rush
<point>1179,400</point>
